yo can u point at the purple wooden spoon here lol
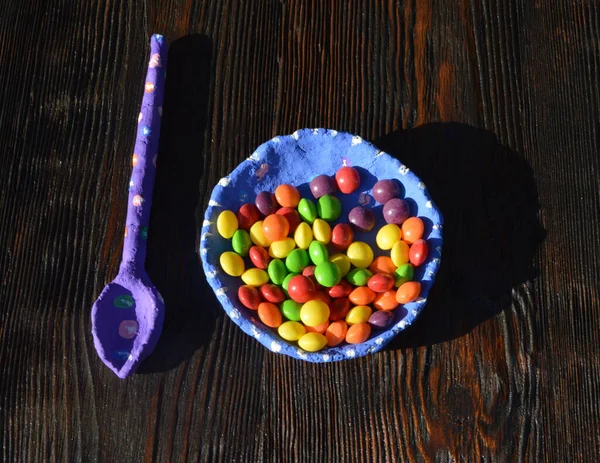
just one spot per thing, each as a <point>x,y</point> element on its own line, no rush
<point>128,316</point>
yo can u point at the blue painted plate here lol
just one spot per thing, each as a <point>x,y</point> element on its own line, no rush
<point>296,159</point>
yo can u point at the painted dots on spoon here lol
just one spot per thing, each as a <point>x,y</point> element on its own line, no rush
<point>149,87</point>
<point>128,329</point>
<point>137,200</point>
<point>124,301</point>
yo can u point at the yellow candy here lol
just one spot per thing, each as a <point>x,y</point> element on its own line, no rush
<point>399,253</point>
<point>255,277</point>
<point>360,254</point>
<point>232,264</point>
<point>257,236</point>
<point>303,235</point>
<point>343,263</point>
<point>291,331</point>
<point>312,342</point>
<point>358,314</point>
<point>314,312</point>
<point>388,235</point>
<point>321,231</point>
<point>227,224</point>
<point>280,249</point>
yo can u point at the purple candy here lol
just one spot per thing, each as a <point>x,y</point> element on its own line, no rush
<point>380,319</point>
<point>396,211</point>
<point>362,218</point>
<point>322,185</point>
<point>266,203</point>
<point>384,190</point>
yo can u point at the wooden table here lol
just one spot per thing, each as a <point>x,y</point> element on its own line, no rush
<point>493,103</point>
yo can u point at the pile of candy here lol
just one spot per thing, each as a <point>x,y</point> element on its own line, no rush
<point>293,282</point>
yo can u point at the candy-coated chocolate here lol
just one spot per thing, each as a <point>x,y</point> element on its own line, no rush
<point>266,203</point>
<point>396,211</point>
<point>292,217</point>
<point>259,257</point>
<point>404,273</point>
<point>360,254</point>
<point>281,249</point>
<point>358,333</point>
<point>384,190</point>
<point>387,236</point>
<point>249,297</point>
<point>232,264</point>
<point>241,242</point>
<point>358,314</point>
<point>386,301</point>
<point>321,231</point>
<point>275,227</point>
<point>286,281</point>
<point>312,342</point>
<point>269,314</point>
<point>277,271</point>
<point>336,333</point>
<point>272,293</point>
<point>322,185</point>
<point>287,195</point>
<point>318,252</point>
<point>342,289</point>
<point>342,236</point>
<point>381,282</point>
<point>227,224</point>
<point>303,235</point>
<point>347,179</point>
<point>291,309</point>
<point>319,328</point>
<point>380,320</point>
<point>382,264</point>
<point>329,208</point>
<point>309,271</point>
<point>343,263</point>
<point>314,312</point>
<point>257,236</point>
<point>327,274</point>
<point>359,276</point>
<point>339,308</point>
<point>291,330</point>
<point>408,292</point>
<point>255,277</point>
<point>297,260</point>
<point>301,289</point>
<point>362,295</point>
<point>307,210</point>
<point>412,230</point>
<point>362,218</point>
<point>321,295</point>
<point>399,253</point>
<point>248,215</point>
<point>418,252</point>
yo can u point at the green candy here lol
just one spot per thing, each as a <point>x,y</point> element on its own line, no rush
<point>404,273</point>
<point>359,276</point>
<point>327,274</point>
<point>286,282</point>
<point>307,210</point>
<point>291,310</point>
<point>318,252</point>
<point>241,242</point>
<point>329,208</point>
<point>277,271</point>
<point>297,260</point>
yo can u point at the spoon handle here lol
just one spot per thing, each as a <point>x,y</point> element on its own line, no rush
<point>144,157</point>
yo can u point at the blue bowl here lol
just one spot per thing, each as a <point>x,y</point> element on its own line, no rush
<point>296,159</point>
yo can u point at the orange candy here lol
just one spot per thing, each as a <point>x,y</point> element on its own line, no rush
<point>386,301</point>
<point>408,292</point>
<point>358,333</point>
<point>275,227</point>
<point>269,314</point>
<point>287,195</point>
<point>362,296</point>
<point>412,230</point>
<point>317,329</point>
<point>336,333</point>
<point>382,264</point>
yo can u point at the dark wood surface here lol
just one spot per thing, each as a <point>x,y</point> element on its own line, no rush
<point>493,103</point>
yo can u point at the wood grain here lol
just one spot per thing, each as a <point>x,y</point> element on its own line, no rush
<point>494,103</point>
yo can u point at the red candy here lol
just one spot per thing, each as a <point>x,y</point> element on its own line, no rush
<point>249,297</point>
<point>342,289</point>
<point>347,179</point>
<point>418,252</point>
<point>259,257</point>
<point>323,296</point>
<point>301,289</point>
<point>272,293</point>
<point>247,216</point>
<point>381,282</point>
<point>342,236</point>
<point>339,308</point>
<point>292,217</point>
